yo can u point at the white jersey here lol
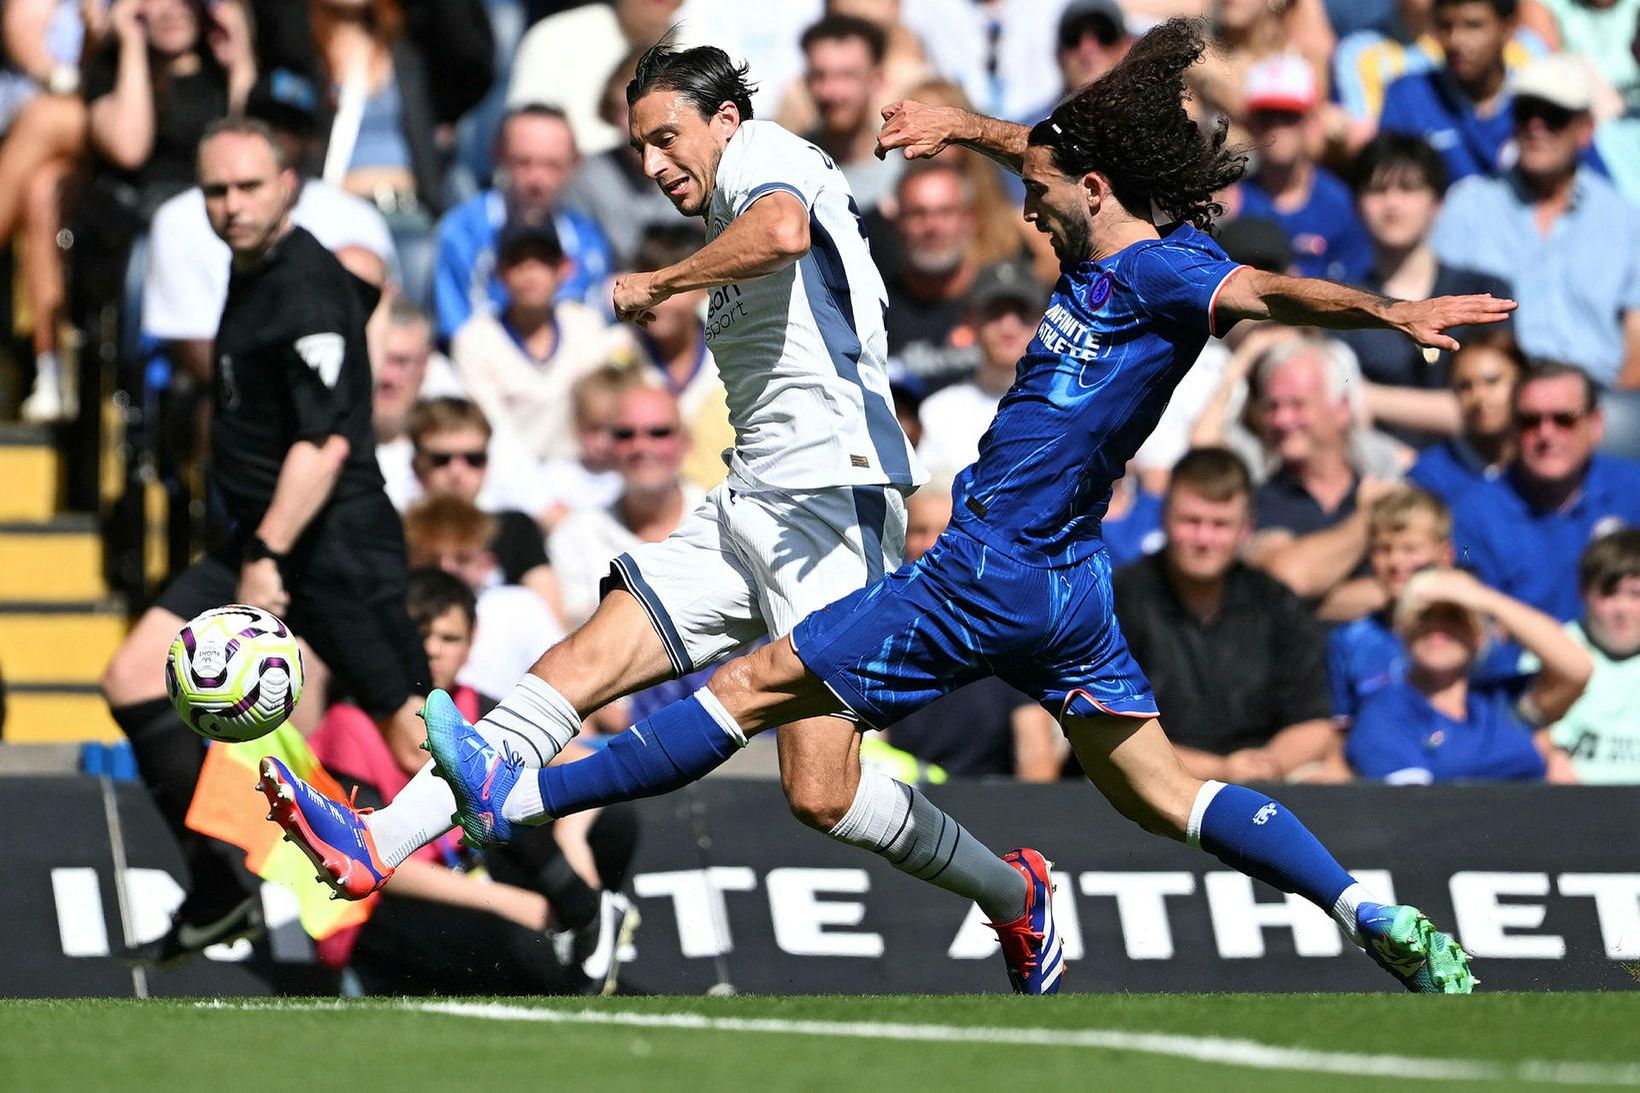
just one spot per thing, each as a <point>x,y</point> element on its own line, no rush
<point>802,352</point>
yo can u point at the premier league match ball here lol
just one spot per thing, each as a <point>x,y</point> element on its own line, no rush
<point>234,673</point>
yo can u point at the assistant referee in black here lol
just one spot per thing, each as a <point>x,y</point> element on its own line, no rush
<point>314,538</point>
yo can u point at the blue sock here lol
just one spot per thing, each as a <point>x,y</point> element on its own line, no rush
<point>678,745</point>
<point>1249,832</point>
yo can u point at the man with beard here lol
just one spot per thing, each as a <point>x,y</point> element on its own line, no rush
<point>928,344</point>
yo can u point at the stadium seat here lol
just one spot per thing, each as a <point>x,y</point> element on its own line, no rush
<point>1622,413</point>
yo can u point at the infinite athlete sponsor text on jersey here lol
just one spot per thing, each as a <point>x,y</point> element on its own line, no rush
<point>1065,335</point>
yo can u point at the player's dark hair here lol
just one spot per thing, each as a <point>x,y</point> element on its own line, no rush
<point>1552,370</point>
<point>1216,474</point>
<point>241,125</point>
<point>1505,9</point>
<point>704,76</point>
<point>1397,156</point>
<point>1608,560</point>
<point>838,28</point>
<point>432,592</point>
<point>1130,125</point>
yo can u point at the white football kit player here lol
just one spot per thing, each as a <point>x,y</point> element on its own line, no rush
<point>813,506</point>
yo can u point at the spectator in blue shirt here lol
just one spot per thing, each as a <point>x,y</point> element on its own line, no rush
<point>1484,374</point>
<point>1523,532</point>
<point>1408,530</point>
<point>1440,726</point>
<point>1560,233</point>
<point>1312,206</point>
<point>1399,182</point>
<point>1461,108</point>
<point>535,157</point>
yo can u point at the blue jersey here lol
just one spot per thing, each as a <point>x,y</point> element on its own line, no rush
<point>1327,237</point>
<point>1399,737</point>
<point>1117,337</point>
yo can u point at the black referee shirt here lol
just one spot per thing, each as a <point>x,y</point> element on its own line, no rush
<point>1237,680</point>
<point>291,364</point>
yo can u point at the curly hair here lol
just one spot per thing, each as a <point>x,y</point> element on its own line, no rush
<point>1130,125</point>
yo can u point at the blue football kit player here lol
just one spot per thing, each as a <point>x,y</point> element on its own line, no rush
<point>1019,585</point>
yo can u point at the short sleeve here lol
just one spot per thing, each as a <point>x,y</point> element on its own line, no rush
<point>1381,748</point>
<point>1180,284</point>
<point>187,276</point>
<point>764,160</point>
<point>314,362</point>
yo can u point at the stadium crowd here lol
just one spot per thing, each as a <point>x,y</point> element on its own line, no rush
<point>1339,558</point>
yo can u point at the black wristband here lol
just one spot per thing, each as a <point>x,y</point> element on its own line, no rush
<point>256,548</point>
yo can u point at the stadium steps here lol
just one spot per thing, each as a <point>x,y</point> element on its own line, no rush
<point>58,625</point>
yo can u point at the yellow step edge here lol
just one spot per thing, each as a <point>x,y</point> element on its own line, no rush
<point>58,717</point>
<point>56,566</point>
<point>68,647</point>
<point>30,473</point>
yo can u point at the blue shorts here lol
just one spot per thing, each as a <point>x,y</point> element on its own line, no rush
<point>966,610</point>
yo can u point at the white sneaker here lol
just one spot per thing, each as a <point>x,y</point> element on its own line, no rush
<point>46,405</point>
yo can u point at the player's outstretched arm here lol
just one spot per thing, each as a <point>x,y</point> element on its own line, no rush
<point>924,130</point>
<point>766,238</point>
<point>1303,301</point>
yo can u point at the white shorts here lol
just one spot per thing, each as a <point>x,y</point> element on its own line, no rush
<point>745,565</point>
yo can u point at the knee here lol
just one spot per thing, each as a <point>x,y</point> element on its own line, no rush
<point>1163,811</point>
<point>817,804</point>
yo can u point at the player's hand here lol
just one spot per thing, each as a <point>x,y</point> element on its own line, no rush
<point>635,294</point>
<point>1427,321</point>
<point>1251,765</point>
<point>920,129</point>
<point>261,585</point>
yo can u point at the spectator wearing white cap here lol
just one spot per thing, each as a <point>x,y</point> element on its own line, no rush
<point>1558,232</point>
<point>1312,205</point>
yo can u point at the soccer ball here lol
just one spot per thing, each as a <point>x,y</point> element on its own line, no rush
<point>234,673</point>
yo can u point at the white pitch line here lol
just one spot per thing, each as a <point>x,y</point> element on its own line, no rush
<point>1206,1049</point>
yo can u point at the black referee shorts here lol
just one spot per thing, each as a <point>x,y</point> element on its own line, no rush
<point>347,579</point>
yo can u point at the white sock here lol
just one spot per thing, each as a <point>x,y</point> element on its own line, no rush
<point>46,369</point>
<point>523,804</point>
<point>1343,909</point>
<point>534,722</point>
<point>899,824</point>
<point>418,815</point>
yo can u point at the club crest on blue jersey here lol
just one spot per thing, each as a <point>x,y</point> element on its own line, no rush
<point>1099,292</point>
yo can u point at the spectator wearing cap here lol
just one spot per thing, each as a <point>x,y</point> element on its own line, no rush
<point>1003,309</point>
<point>1439,724</point>
<point>1399,183</point>
<point>1523,532</point>
<point>519,364</point>
<point>186,282</point>
<point>1562,235</point>
<point>1462,107</point>
<point>1309,202</point>
<point>843,74</point>
<point>1092,37</point>
<point>535,157</point>
<point>928,345</point>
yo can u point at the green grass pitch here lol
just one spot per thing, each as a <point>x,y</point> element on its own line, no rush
<point>1201,1043</point>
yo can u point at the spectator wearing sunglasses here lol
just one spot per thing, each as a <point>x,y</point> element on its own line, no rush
<point>1554,229</point>
<point>521,362</point>
<point>451,440</point>
<point>649,443</point>
<point>1523,532</point>
<point>1092,37</point>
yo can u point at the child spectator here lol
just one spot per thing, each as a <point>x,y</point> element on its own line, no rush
<point>520,363</point>
<point>1601,732</point>
<point>501,931</point>
<point>1438,725</point>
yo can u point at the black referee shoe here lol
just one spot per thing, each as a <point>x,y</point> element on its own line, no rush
<point>190,934</point>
